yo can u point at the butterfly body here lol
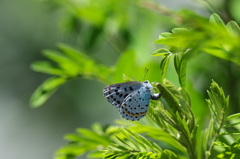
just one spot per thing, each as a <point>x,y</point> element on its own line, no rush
<point>131,98</point>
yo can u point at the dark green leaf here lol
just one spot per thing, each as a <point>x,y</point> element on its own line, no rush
<point>182,70</point>
<point>164,66</point>
<point>177,63</point>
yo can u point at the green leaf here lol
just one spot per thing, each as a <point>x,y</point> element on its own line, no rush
<point>128,136</point>
<point>165,35</point>
<point>71,68</point>
<point>168,155</point>
<point>84,141</point>
<point>218,105</point>
<point>45,91</point>
<point>233,116</point>
<point>120,147</point>
<point>177,63</point>
<point>169,97</point>
<point>161,52</point>
<point>148,145</point>
<point>164,66</point>
<point>70,151</point>
<point>123,142</point>
<point>68,64</point>
<point>136,137</point>
<point>158,134</point>
<point>75,55</point>
<point>93,136</point>
<point>95,154</point>
<point>229,151</point>
<point>233,28</point>
<point>183,68</point>
<point>179,30</point>
<point>46,67</point>
<point>215,19</point>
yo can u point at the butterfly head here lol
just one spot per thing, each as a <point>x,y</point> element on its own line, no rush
<point>146,81</point>
<point>147,85</point>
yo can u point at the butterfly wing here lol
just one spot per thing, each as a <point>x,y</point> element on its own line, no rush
<point>135,105</point>
<point>116,93</point>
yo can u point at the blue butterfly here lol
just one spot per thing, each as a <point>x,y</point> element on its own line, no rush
<point>131,98</point>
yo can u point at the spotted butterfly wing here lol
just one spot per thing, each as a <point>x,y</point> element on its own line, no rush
<point>116,93</point>
<point>135,105</point>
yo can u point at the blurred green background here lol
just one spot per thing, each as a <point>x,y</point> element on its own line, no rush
<point>27,27</point>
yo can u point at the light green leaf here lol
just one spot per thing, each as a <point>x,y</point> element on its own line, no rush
<point>123,142</point>
<point>138,139</point>
<point>215,19</point>
<point>165,35</point>
<point>85,64</point>
<point>73,150</point>
<point>233,28</point>
<point>120,147</point>
<point>45,91</point>
<point>161,52</point>
<point>70,67</point>
<point>168,155</point>
<point>179,30</point>
<point>93,136</point>
<point>96,154</point>
<point>148,145</point>
<point>46,67</point>
<point>233,116</point>
<point>128,136</point>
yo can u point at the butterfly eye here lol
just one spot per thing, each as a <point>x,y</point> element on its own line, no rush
<point>146,81</point>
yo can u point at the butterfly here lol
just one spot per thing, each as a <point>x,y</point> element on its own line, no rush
<point>131,98</point>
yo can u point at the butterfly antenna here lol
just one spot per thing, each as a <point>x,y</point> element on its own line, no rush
<point>145,73</point>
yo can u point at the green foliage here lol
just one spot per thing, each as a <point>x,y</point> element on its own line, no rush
<point>212,38</point>
<point>112,142</point>
<point>85,140</point>
<point>133,145</point>
<point>170,129</point>
<point>170,132</point>
<point>218,105</point>
<point>68,64</point>
<point>230,150</point>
